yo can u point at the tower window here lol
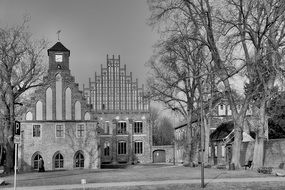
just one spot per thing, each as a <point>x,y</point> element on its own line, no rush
<point>58,58</point>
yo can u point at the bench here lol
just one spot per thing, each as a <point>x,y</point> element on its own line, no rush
<point>265,170</point>
<point>248,164</point>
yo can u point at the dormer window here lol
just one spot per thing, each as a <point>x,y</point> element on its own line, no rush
<point>58,58</point>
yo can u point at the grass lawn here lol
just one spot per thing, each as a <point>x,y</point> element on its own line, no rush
<point>138,173</point>
<point>214,186</point>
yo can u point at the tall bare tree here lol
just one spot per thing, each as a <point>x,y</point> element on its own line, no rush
<point>226,27</point>
<point>257,27</point>
<point>203,17</point>
<point>21,69</point>
<point>178,64</point>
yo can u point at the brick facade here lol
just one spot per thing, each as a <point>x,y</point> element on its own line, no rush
<point>59,112</point>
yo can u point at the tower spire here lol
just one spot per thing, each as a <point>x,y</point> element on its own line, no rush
<point>58,32</point>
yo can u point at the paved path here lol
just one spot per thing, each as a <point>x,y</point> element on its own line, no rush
<point>141,183</point>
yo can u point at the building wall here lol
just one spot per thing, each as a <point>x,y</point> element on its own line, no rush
<point>130,137</point>
<point>274,152</point>
<point>169,156</point>
<point>48,144</point>
<point>59,102</point>
<point>116,97</point>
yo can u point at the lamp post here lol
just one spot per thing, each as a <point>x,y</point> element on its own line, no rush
<point>173,109</point>
<point>202,136</point>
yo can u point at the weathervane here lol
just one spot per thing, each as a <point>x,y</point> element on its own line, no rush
<point>58,34</point>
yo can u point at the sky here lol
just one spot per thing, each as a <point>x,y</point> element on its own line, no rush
<point>90,29</point>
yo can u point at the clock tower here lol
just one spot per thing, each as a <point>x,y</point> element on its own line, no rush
<point>58,58</point>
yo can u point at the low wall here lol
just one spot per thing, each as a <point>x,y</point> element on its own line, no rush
<point>274,152</point>
<point>168,152</point>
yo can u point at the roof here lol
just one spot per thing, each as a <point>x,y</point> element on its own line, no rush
<point>58,47</point>
<point>222,131</point>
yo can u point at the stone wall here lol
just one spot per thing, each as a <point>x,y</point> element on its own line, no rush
<point>274,152</point>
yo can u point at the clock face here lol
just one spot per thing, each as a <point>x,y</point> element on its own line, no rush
<point>58,58</point>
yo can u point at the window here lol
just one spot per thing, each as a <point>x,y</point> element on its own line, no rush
<point>223,150</point>
<point>106,149</point>
<point>122,147</point>
<point>36,130</point>
<point>58,161</point>
<point>59,131</point>
<point>222,106</point>
<point>107,127</point>
<point>122,128</point>
<point>138,147</point>
<point>80,130</point>
<point>138,127</point>
<point>36,161</point>
<point>79,160</point>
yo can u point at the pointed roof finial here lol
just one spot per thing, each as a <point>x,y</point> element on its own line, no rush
<point>58,34</point>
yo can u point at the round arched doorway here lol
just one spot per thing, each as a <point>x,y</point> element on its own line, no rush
<point>159,156</point>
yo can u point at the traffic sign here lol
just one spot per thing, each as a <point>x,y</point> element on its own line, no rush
<point>17,128</point>
<point>17,139</point>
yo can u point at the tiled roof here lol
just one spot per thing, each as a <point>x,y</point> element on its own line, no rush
<point>58,47</point>
<point>222,131</point>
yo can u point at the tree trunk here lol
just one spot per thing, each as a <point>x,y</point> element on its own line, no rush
<point>258,154</point>
<point>9,143</point>
<point>207,139</point>
<point>187,159</point>
<point>237,143</point>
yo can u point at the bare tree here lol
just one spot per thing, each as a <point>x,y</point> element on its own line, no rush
<point>176,67</point>
<point>21,69</point>
<point>163,133</point>
<point>257,27</point>
<point>200,16</point>
<point>225,27</point>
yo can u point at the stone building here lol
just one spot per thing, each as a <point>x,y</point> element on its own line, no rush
<point>59,126</point>
<point>106,123</point>
<point>122,111</point>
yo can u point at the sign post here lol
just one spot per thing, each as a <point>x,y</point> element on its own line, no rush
<point>17,131</point>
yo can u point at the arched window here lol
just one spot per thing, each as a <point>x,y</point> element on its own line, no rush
<point>36,161</point>
<point>87,116</point>
<point>58,97</point>
<point>39,110</point>
<point>58,161</point>
<point>68,104</point>
<point>79,160</point>
<point>29,116</point>
<point>77,110</point>
<point>49,104</point>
